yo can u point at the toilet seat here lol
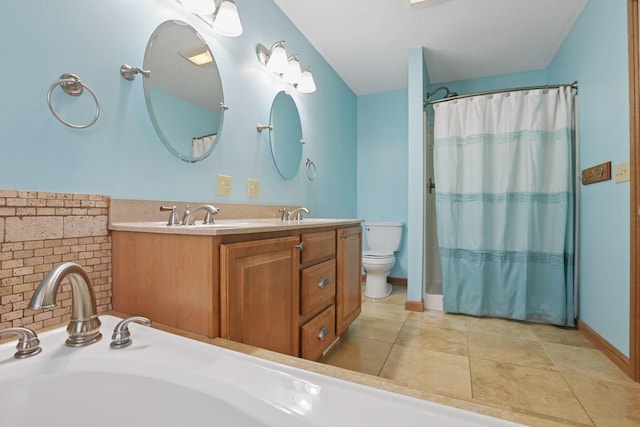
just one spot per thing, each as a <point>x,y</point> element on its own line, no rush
<point>372,254</point>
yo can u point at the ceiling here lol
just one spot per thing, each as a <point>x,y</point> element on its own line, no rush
<point>367,41</point>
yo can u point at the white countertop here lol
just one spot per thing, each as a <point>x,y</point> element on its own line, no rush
<point>233,226</point>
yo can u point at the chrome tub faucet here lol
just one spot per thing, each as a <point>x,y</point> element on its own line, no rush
<point>84,326</point>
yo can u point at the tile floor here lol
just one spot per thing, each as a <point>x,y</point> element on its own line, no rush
<point>533,369</point>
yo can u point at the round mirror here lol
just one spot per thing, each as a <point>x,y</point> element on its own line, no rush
<point>286,135</point>
<point>184,91</point>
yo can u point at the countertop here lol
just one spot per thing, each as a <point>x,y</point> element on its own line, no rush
<point>233,226</point>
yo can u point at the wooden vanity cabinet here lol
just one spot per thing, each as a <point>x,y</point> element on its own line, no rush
<point>349,277</point>
<point>259,293</point>
<point>170,278</point>
<point>293,292</point>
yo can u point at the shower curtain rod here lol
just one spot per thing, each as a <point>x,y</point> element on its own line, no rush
<point>573,85</point>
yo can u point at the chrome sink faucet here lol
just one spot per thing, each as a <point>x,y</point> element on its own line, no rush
<point>84,326</point>
<point>296,214</point>
<point>208,217</point>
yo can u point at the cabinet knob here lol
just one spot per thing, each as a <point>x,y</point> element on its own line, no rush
<point>323,282</point>
<point>301,246</point>
<point>323,333</point>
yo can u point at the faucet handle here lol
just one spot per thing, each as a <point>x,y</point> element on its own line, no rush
<point>121,337</point>
<point>284,214</point>
<point>28,343</point>
<point>173,218</point>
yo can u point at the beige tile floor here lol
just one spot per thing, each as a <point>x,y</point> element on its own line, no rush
<point>541,370</point>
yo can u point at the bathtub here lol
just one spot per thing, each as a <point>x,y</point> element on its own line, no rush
<point>168,380</point>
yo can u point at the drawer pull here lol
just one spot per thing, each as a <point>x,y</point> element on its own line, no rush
<point>300,246</point>
<point>345,236</point>
<point>323,282</point>
<point>323,333</point>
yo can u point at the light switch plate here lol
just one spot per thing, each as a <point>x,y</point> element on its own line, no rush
<point>223,185</point>
<point>253,188</point>
<point>622,172</point>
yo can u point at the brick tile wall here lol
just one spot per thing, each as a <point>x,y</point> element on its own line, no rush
<point>39,230</point>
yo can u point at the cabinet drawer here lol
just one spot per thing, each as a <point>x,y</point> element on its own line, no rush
<point>318,333</point>
<point>317,286</point>
<point>318,246</point>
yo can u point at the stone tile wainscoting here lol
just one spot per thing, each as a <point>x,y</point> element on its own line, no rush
<point>39,230</point>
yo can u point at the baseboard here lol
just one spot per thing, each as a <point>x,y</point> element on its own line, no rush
<point>414,306</point>
<point>397,281</point>
<point>605,347</point>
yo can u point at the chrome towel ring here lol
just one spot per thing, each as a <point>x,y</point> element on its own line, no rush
<point>72,85</point>
<point>311,170</point>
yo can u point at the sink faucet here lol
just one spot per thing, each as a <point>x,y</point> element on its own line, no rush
<point>296,213</point>
<point>84,326</point>
<point>208,217</point>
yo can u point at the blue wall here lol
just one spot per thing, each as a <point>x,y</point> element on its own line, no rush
<point>595,53</point>
<point>121,154</point>
<point>382,163</point>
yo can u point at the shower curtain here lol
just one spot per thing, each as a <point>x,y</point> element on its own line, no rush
<point>505,204</point>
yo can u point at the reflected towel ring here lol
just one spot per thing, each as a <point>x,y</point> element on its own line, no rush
<point>72,85</point>
<point>311,170</point>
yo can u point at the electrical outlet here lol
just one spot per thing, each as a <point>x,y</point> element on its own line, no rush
<point>223,185</point>
<point>253,187</point>
<point>622,172</point>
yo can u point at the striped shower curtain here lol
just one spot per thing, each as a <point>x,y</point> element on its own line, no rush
<point>505,204</point>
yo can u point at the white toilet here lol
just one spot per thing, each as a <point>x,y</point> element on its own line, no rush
<point>383,239</point>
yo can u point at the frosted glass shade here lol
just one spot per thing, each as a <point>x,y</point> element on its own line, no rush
<point>227,21</point>
<point>307,84</point>
<point>293,75</point>
<point>277,61</point>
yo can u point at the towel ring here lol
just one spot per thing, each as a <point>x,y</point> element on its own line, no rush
<point>72,85</point>
<point>311,170</point>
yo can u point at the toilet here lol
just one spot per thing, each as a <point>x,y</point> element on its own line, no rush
<point>383,239</point>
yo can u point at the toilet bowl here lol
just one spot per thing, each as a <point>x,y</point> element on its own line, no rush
<point>383,239</point>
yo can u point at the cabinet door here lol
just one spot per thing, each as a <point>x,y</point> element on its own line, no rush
<point>349,276</point>
<point>259,293</point>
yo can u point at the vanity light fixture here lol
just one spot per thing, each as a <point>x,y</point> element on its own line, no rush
<point>286,67</point>
<point>224,20</point>
<point>293,75</point>
<point>307,84</point>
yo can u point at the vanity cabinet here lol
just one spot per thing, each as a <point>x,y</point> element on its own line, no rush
<point>292,291</point>
<point>259,293</point>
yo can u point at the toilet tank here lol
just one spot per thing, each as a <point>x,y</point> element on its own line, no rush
<point>383,236</point>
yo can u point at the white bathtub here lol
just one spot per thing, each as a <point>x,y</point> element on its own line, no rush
<point>167,380</point>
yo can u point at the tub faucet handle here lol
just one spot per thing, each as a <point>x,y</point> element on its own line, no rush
<point>28,343</point>
<point>121,337</point>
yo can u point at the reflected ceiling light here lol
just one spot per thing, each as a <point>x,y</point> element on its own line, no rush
<point>293,75</point>
<point>307,84</point>
<point>224,21</point>
<point>200,56</point>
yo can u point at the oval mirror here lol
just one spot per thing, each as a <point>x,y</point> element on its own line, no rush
<point>285,135</point>
<point>184,91</point>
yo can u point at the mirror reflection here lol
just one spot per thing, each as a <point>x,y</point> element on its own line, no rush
<point>184,92</point>
<point>285,135</point>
